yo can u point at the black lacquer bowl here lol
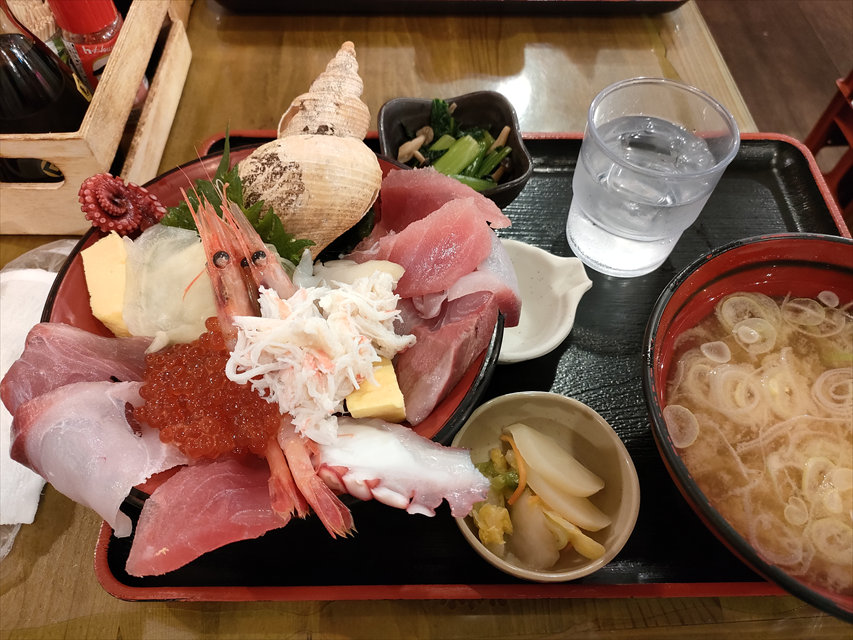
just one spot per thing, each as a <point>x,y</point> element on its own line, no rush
<point>486,109</point>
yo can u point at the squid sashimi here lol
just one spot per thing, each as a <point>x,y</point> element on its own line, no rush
<point>78,438</point>
<point>435,251</point>
<point>57,354</point>
<point>372,459</point>
<point>216,503</point>
<point>408,196</point>
<point>443,352</point>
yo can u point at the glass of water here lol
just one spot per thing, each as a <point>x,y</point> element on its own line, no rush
<point>652,153</point>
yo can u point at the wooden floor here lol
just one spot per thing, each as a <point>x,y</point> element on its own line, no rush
<point>785,55</point>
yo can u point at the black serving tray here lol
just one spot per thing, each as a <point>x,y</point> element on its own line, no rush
<point>771,186</point>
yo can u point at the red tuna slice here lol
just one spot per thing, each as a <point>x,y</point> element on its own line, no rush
<point>77,437</point>
<point>435,251</point>
<point>408,196</point>
<point>57,354</point>
<point>229,501</point>
<point>428,370</point>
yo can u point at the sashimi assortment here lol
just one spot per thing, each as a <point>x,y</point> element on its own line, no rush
<point>249,414</point>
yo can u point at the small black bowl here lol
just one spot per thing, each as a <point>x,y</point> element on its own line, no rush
<point>487,109</point>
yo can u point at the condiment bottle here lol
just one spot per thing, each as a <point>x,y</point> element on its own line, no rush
<point>38,94</point>
<point>89,29</point>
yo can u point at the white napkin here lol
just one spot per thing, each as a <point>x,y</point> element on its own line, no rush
<point>24,286</point>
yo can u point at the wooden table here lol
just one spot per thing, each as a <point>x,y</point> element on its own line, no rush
<point>245,71</point>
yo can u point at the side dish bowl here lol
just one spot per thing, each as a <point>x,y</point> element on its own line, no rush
<point>399,117</point>
<point>796,264</point>
<point>593,442</point>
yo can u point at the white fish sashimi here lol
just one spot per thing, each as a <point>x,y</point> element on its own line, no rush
<point>372,459</point>
<point>168,295</point>
<point>78,438</point>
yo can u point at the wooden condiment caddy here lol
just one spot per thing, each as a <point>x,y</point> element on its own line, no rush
<point>52,208</point>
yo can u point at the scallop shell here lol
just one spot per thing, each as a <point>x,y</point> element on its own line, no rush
<point>333,103</point>
<point>318,185</point>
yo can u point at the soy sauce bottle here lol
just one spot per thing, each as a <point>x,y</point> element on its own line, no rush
<point>38,94</point>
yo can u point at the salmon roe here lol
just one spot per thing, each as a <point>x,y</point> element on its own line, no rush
<point>196,407</point>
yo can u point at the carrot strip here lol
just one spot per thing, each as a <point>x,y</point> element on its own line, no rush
<point>522,471</point>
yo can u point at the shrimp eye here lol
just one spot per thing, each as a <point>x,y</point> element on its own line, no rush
<point>259,256</point>
<point>244,263</point>
<point>221,259</point>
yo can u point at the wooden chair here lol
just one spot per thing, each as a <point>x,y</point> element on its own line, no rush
<point>835,128</point>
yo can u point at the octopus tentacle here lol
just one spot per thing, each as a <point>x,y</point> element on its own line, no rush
<point>111,204</point>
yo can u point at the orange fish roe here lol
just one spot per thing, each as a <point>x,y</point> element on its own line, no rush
<point>192,403</point>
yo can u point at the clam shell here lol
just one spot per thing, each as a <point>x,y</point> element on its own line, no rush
<point>319,186</point>
<point>333,103</point>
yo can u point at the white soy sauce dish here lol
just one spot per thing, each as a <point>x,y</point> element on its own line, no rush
<point>551,288</point>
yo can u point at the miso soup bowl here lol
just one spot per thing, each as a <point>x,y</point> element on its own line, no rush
<point>800,264</point>
<point>591,440</point>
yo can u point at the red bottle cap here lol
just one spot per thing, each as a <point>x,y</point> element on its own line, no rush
<point>83,16</point>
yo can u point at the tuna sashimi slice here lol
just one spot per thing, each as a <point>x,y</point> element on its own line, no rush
<point>408,196</point>
<point>373,459</point>
<point>496,274</point>
<point>77,437</point>
<point>57,354</point>
<point>226,500</point>
<point>435,251</point>
<point>428,371</point>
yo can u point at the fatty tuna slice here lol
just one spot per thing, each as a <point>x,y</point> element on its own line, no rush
<point>57,354</point>
<point>229,501</point>
<point>408,196</point>
<point>435,251</point>
<point>77,437</point>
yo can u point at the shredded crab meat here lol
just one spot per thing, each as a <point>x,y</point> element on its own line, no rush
<point>309,352</point>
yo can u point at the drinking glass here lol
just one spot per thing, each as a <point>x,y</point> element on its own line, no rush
<point>652,153</point>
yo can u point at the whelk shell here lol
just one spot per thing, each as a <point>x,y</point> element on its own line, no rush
<point>319,186</point>
<point>318,175</point>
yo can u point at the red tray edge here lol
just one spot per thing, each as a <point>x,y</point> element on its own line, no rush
<point>122,591</point>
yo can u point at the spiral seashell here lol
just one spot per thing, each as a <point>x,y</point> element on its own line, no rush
<point>333,103</point>
<point>319,186</point>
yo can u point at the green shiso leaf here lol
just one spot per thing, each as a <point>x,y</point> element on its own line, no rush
<point>263,219</point>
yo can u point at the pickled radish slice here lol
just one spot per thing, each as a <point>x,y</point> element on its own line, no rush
<point>717,351</point>
<point>581,542</point>
<point>532,540</point>
<point>549,460</point>
<point>575,509</point>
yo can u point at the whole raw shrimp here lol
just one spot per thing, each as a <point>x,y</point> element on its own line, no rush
<point>238,264</point>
